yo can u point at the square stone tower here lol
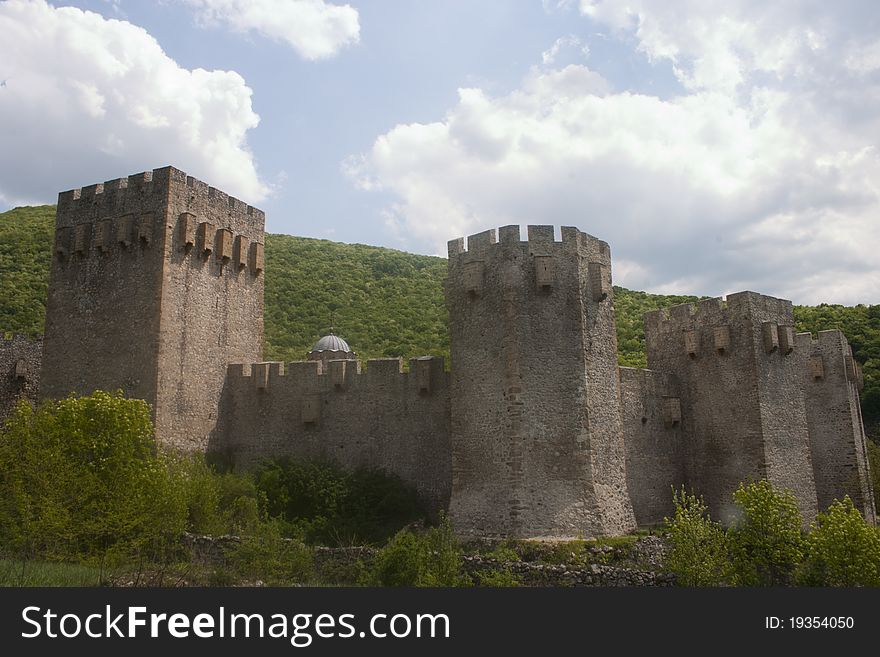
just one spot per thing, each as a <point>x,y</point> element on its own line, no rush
<point>832,378</point>
<point>155,286</point>
<point>743,411</point>
<point>537,443</point>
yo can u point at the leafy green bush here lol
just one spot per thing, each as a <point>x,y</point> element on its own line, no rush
<point>335,507</point>
<point>81,476</point>
<point>429,558</point>
<point>842,549</point>
<point>501,578</point>
<point>266,555</point>
<point>767,544</point>
<point>504,552</point>
<point>202,494</point>
<point>698,554</point>
<point>874,469</point>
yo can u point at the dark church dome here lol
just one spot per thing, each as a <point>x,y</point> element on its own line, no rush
<point>331,342</point>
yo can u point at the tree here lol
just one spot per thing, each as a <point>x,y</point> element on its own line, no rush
<point>766,544</point>
<point>842,549</point>
<point>82,476</point>
<point>699,551</point>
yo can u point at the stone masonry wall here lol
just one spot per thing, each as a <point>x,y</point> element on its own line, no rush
<point>211,305</point>
<point>743,413</point>
<point>378,418</point>
<point>837,438</point>
<point>102,315</point>
<point>537,444</point>
<point>651,412</point>
<point>155,285</point>
<point>20,359</point>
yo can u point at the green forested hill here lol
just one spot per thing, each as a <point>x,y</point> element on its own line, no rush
<point>25,244</point>
<point>383,302</point>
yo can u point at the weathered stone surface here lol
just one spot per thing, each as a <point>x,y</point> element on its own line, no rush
<point>654,442</point>
<point>148,315</point>
<point>377,418</point>
<point>837,438</point>
<point>744,415</point>
<point>20,359</point>
<point>537,442</point>
<point>156,288</point>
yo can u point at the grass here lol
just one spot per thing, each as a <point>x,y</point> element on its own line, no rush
<point>16,573</point>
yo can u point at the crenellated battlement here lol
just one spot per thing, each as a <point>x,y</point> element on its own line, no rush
<point>156,288</point>
<point>541,240</point>
<point>829,357</point>
<point>718,309</point>
<point>159,209</point>
<point>314,396</point>
<point>425,373</point>
<point>721,324</point>
<point>502,259</point>
<point>148,183</point>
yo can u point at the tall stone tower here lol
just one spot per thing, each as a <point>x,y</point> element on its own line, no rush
<point>156,284</point>
<point>537,443</point>
<point>837,435</point>
<point>743,410</point>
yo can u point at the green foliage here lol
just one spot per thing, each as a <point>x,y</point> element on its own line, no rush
<point>202,494</point>
<point>501,578</point>
<point>42,573</point>
<point>874,469</point>
<point>630,307</point>
<point>861,325</point>
<point>336,507</point>
<point>842,549</point>
<point>766,544</point>
<point>383,302</point>
<point>26,236</point>
<point>81,477</point>
<point>699,553</point>
<point>429,558</point>
<point>504,553</point>
<point>266,555</point>
<point>767,547</point>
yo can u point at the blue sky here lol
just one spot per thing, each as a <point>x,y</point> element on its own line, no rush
<point>716,146</point>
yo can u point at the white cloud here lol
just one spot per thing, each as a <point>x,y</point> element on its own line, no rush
<point>761,175</point>
<point>88,99</point>
<point>565,42</point>
<point>313,28</point>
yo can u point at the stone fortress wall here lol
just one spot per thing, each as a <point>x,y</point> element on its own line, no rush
<point>655,443</point>
<point>20,359</point>
<point>831,380</point>
<point>376,417</point>
<point>537,443</point>
<point>156,288</point>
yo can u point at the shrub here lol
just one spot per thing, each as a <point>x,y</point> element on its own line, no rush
<point>505,553</point>
<point>266,555</point>
<point>698,552</point>
<point>202,494</point>
<point>331,506</point>
<point>842,549</point>
<point>429,558</point>
<point>766,545</point>
<point>874,468</point>
<point>81,476</point>
<point>500,578</point>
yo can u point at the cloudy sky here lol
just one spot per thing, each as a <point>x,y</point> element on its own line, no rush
<point>718,146</point>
